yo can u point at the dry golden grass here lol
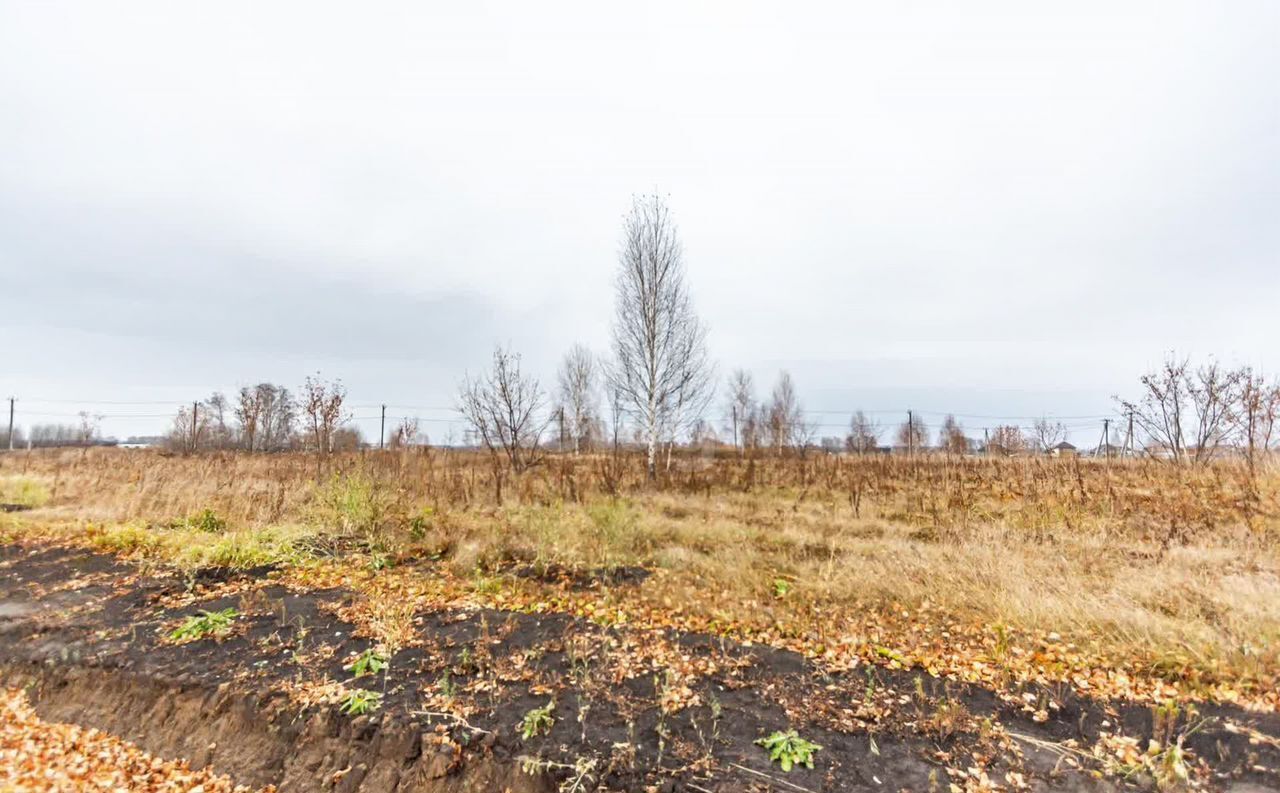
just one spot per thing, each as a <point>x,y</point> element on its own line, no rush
<point>1170,571</point>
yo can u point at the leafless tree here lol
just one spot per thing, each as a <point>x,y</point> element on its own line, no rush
<point>346,439</point>
<point>951,437</point>
<point>1046,434</point>
<point>56,435</point>
<point>703,435</point>
<point>16,442</point>
<point>1007,439</point>
<point>405,434</point>
<point>660,368</point>
<point>190,427</point>
<point>266,414</point>
<point>322,406</point>
<point>1214,393</point>
<point>579,398</point>
<point>913,434</point>
<point>864,434</point>
<point>279,417</point>
<point>89,424</point>
<point>202,425</point>
<point>1258,411</point>
<point>1178,400</point>
<point>248,416</point>
<point>220,433</point>
<point>742,412</point>
<point>782,413</point>
<point>1159,412</point>
<point>617,415</point>
<point>502,407</point>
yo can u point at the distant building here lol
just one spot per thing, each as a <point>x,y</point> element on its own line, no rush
<point>1109,450</point>
<point>1064,449</point>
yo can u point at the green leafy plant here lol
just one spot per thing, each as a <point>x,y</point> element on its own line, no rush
<point>781,587</point>
<point>420,524</point>
<point>206,520</point>
<point>369,662</point>
<point>360,702</point>
<point>537,721</point>
<point>206,623</point>
<point>448,688</point>
<point>788,749</point>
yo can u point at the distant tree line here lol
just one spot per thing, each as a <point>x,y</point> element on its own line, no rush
<point>652,391</point>
<point>269,418</point>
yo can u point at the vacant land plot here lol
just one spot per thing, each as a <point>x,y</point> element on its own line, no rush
<point>905,623</point>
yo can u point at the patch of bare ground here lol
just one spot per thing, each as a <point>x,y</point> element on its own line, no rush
<point>468,698</point>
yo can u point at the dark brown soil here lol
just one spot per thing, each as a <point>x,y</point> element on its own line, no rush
<point>85,634</point>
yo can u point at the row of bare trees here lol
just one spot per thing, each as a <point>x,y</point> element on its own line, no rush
<point>657,384</point>
<point>267,417</point>
<point>85,432</point>
<point>1195,413</point>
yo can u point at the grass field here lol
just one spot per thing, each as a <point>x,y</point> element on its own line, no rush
<point>1137,579</point>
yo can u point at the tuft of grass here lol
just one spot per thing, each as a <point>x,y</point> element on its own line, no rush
<point>23,491</point>
<point>206,623</point>
<point>195,549</point>
<point>205,520</point>
<point>354,504</point>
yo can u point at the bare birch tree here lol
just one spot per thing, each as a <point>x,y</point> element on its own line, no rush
<point>661,369</point>
<point>579,397</point>
<point>741,415</point>
<point>784,417</point>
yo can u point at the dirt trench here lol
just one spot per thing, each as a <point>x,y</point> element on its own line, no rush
<point>257,743</point>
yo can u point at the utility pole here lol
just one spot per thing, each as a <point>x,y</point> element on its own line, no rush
<point>911,435</point>
<point>986,442</point>
<point>10,423</point>
<point>734,410</point>
<point>195,424</point>
<point>1106,438</point>
<point>562,435</point>
<point>382,428</point>
<point>1128,437</point>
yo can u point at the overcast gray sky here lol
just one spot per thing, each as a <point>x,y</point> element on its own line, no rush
<point>995,208</point>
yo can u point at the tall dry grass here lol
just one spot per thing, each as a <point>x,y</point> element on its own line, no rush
<point>1174,565</point>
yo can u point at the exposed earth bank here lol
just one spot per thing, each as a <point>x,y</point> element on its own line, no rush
<point>87,637</point>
